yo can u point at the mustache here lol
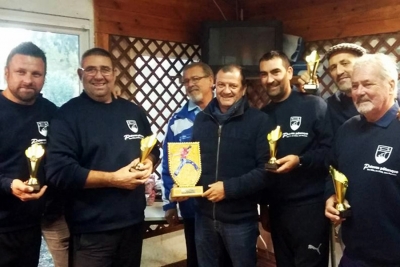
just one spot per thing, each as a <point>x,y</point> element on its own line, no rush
<point>362,99</point>
<point>341,76</point>
<point>273,84</point>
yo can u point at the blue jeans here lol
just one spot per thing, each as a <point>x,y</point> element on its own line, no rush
<point>239,240</point>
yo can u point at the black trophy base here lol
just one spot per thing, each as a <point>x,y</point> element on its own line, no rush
<point>345,213</point>
<point>311,89</point>
<point>36,187</point>
<point>271,166</point>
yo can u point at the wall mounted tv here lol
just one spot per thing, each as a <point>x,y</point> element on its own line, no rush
<point>240,42</point>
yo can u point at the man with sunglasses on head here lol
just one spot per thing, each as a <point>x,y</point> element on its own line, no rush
<point>198,81</point>
<point>94,150</point>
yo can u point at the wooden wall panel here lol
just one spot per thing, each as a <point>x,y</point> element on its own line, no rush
<point>327,19</point>
<point>169,20</point>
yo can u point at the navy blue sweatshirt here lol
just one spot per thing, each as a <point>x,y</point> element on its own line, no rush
<point>234,153</point>
<point>88,135</point>
<point>340,109</point>
<point>20,127</point>
<point>305,134</point>
<point>369,155</point>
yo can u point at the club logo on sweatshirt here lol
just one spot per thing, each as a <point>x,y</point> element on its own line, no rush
<point>295,122</point>
<point>42,127</point>
<point>132,125</point>
<point>382,153</point>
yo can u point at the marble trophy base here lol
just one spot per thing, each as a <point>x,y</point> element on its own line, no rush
<point>271,166</point>
<point>345,213</point>
<point>311,88</point>
<point>194,191</point>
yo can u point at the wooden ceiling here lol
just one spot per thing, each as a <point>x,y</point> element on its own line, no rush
<point>180,20</point>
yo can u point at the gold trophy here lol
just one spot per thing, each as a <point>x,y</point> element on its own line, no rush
<point>34,153</point>
<point>273,138</point>
<point>146,145</point>
<point>341,183</point>
<point>312,65</point>
<point>185,168</point>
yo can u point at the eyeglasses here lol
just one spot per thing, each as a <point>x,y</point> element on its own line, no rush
<point>92,71</point>
<point>194,80</point>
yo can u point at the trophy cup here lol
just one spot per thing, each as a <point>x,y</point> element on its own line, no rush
<point>341,183</point>
<point>34,153</point>
<point>273,138</point>
<point>312,64</point>
<point>146,145</point>
<point>185,168</point>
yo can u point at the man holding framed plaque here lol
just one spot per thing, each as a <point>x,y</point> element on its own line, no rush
<point>234,150</point>
<point>299,230</point>
<point>198,80</point>
<point>95,142</point>
<point>25,116</point>
<point>366,150</point>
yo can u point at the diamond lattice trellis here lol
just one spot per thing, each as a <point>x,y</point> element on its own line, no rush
<point>148,74</point>
<point>149,71</point>
<point>387,43</point>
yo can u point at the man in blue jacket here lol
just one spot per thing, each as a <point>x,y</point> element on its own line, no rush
<point>234,150</point>
<point>198,80</point>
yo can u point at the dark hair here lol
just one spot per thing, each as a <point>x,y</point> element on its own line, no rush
<point>230,68</point>
<point>276,54</point>
<point>206,69</point>
<point>27,49</point>
<point>97,51</point>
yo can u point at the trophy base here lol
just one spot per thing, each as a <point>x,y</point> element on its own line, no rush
<point>345,213</point>
<point>36,187</point>
<point>195,191</point>
<point>311,88</point>
<point>271,166</point>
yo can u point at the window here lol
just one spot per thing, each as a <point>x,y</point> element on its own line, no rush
<point>63,46</point>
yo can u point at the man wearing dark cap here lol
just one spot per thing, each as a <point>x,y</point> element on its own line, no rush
<point>341,59</point>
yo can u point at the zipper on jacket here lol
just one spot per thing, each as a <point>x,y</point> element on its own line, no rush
<point>217,165</point>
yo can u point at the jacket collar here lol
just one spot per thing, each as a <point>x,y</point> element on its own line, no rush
<point>240,109</point>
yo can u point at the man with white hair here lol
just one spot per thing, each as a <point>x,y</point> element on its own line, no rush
<point>366,151</point>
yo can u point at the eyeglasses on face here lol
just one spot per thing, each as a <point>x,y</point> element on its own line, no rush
<point>92,71</point>
<point>194,80</point>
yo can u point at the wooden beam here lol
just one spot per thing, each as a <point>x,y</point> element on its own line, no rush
<point>132,30</point>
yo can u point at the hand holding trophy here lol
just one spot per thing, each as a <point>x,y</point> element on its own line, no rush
<point>34,153</point>
<point>312,65</point>
<point>146,145</point>
<point>340,182</point>
<point>273,138</point>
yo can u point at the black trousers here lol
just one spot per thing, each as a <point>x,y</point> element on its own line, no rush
<point>190,242</point>
<point>20,248</point>
<point>300,235</point>
<point>114,248</point>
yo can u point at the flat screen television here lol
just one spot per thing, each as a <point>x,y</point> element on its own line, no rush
<point>240,42</point>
